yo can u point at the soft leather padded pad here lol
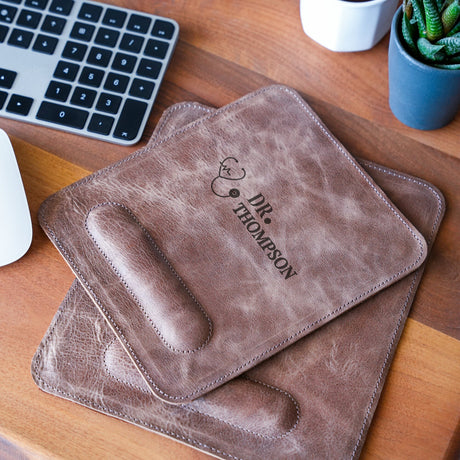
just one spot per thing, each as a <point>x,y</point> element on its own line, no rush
<point>271,227</point>
<point>167,303</point>
<point>315,399</point>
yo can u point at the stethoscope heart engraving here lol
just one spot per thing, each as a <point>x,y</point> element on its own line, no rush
<point>228,171</point>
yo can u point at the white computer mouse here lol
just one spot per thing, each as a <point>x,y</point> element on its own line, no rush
<point>15,222</point>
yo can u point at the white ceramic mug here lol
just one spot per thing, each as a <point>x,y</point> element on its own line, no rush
<point>341,25</point>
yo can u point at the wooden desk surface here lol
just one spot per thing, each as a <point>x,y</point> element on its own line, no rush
<point>227,49</point>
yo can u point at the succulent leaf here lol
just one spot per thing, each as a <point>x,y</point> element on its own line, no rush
<point>430,51</point>
<point>419,17</point>
<point>434,28</point>
<point>448,66</point>
<point>446,4</point>
<point>450,16</point>
<point>409,33</point>
<point>451,63</point>
<point>455,30</point>
<point>452,44</point>
<point>407,8</point>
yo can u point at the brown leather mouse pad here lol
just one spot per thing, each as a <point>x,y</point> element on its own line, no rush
<point>315,399</point>
<point>228,240</point>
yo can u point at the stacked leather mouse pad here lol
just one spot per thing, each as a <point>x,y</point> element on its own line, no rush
<point>242,282</point>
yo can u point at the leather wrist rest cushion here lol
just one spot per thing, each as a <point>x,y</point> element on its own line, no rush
<point>313,400</point>
<point>228,240</point>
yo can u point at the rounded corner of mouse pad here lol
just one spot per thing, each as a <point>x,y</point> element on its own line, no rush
<point>257,216</point>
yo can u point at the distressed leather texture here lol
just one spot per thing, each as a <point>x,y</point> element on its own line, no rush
<point>315,399</point>
<point>228,240</point>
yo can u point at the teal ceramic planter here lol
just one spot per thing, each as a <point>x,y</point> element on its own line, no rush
<point>421,96</point>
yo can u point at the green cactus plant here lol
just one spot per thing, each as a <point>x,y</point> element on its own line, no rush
<point>431,31</point>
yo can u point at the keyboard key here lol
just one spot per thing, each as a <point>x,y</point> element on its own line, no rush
<point>90,12</point>
<point>82,31</point>
<point>7,78</point>
<point>28,18</point>
<point>53,25</point>
<point>163,29</point>
<point>116,82</point>
<point>108,103</point>
<point>130,42</point>
<point>156,49</point>
<point>19,104</point>
<point>40,4</point>
<point>138,23</point>
<point>130,120</point>
<point>148,68</point>
<point>3,97</point>
<point>114,18</point>
<point>7,13</point>
<point>75,51</point>
<point>91,77</point>
<point>107,37</point>
<point>45,44</point>
<point>99,56</point>
<point>141,88</point>
<point>83,96</point>
<point>62,115</point>
<point>124,62</point>
<point>63,7</point>
<point>66,71</point>
<point>100,124</point>
<point>58,91</point>
<point>3,32</point>
<point>13,1</point>
<point>20,38</point>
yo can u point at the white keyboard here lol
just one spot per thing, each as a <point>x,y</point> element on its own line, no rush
<point>82,66</point>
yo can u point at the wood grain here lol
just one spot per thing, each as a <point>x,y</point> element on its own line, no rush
<point>423,383</point>
<point>227,49</point>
